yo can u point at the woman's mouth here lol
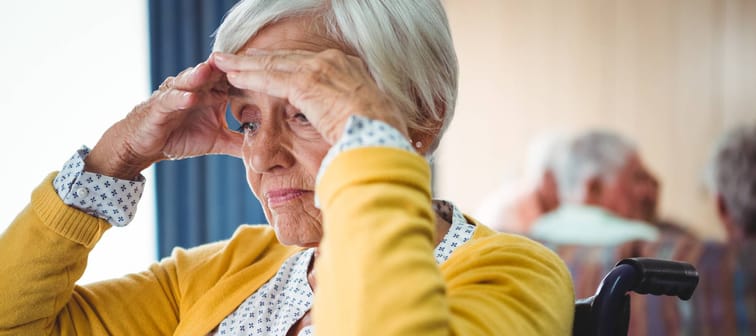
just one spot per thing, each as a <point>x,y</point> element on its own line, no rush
<point>280,197</point>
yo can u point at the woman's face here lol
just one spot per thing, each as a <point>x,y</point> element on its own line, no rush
<point>282,151</point>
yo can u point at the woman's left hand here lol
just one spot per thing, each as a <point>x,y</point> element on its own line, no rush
<point>327,87</point>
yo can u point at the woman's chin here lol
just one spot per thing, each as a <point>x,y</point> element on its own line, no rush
<point>303,235</point>
<point>289,241</point>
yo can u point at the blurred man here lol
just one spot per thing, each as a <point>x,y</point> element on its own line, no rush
<point>733,181</point>
<point>608,196</point>
<point>518,204</point>
<point>725,299</point>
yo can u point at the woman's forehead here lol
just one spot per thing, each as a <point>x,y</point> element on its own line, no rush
<point>295,33</point>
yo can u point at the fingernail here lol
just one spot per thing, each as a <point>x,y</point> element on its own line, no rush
<point>185,99</point>
<point>220,57</point>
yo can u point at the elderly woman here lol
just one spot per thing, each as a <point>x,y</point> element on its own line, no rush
<point>338,101</point>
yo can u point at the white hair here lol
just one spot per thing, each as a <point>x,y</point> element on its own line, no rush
<point>541,156</point>
<point>405,44</point>
<point>593,154</point>
<point>732,174</point>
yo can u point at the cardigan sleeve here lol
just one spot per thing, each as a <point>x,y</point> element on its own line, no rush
<point>505,284</point>
<point>377,275</point>
<point>44,252</point>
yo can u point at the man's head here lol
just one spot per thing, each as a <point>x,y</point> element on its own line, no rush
<point>733,180</point>
<point>539,170</point>
<point>601,168</point>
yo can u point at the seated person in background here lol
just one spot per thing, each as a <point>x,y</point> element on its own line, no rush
<point>515,206</point>
<point>605,193</point>
<point>732,179</point>
<point>340,102</point>
<point>725,301</point>
<point>608,198</point>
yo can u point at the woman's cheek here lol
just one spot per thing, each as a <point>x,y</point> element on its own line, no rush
<point>306,132</point>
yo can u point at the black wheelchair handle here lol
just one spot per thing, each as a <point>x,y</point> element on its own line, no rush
<point>664,277</point>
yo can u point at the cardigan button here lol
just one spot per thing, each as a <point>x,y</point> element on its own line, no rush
<point>82,192</point>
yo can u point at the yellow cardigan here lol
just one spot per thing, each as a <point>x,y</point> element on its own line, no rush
<point>376,270</point>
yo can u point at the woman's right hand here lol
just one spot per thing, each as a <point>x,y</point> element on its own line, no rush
<point>185,117</point>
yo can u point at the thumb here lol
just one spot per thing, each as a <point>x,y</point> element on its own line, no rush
<point>229,143</point>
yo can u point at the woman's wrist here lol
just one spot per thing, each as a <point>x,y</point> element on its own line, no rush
<point>112,156</point>
<point>113,165</point>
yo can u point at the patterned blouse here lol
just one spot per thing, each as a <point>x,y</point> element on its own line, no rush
<point>287,297</point>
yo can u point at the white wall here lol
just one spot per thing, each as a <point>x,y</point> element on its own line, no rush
<point>671,75</point>
<point>70,70</point>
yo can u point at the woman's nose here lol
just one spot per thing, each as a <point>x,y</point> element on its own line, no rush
<point>266,151</point>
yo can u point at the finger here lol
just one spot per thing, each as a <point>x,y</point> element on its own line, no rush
<point>274,83</point>
<point>190,79</point>
<point>166,84</point>
<point>281,61</point>
<point>172,100</point>
<point>259,52</point>
<point>185,71</point>
<point>200,77</point>
<point>229,143</point>
<point>216,78</point>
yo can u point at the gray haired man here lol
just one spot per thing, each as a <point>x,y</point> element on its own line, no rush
<point>607,194</point>
<point>733,181</point>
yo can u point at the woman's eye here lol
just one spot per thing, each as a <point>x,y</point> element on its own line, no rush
<point>248,127</point>
<point>300,117</point>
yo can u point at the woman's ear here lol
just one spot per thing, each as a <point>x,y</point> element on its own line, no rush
<point>425,140</point>
<point>421,141</point>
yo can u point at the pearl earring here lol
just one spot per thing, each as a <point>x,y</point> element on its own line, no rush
<point>418,144</point>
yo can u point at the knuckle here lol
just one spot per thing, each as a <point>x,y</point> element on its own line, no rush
<point>337,57</point>
<point>319,64</point>
<point>357,61</point>
<point>181,79</point>
<point>156,96</point>
<point>145,105</point>
<point>332,54</point>
<point>185,71</point>
<point>164,100</point>
<point>166,84</point>
<point>268,63</point>
<point>308,78</point>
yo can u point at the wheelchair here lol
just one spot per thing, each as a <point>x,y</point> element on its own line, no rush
<point>608,311</point>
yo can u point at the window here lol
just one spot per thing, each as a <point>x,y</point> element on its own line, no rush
<point>70,70</point>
